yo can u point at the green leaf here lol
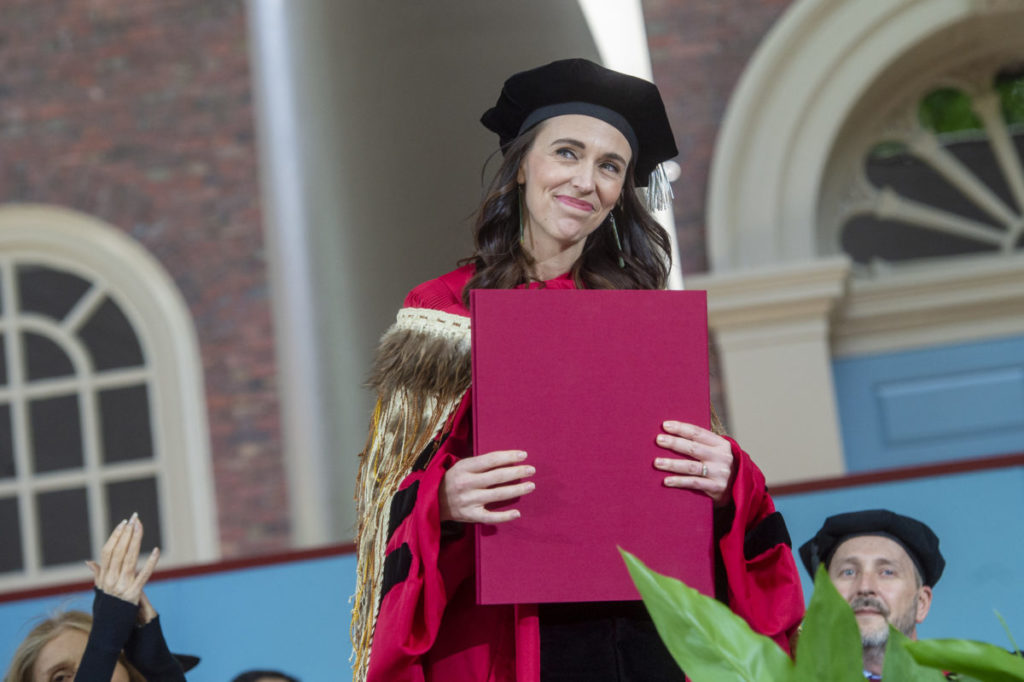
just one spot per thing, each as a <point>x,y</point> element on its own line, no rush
<point>984,661</point>
<point>900,665</point>
<point>829,644</point>
<point>1006,627</point>
<point>708,641</point>
<point>1011,93</point>
<point>947,110</point>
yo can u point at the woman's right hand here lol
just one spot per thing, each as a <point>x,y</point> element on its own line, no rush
<point>475,482</point>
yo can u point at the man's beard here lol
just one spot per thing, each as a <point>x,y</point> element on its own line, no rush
<point>904,622</point>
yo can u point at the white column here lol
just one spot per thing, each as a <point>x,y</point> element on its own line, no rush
<point>772,332</point>
<point>282,84</point>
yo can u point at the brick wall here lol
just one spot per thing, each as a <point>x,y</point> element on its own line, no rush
<point>139,113</point>
<point>699,49</point>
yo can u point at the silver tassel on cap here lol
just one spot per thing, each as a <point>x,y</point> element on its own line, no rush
<point>658,195</point>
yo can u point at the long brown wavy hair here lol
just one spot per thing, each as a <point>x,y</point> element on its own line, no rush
<point>502,262</point>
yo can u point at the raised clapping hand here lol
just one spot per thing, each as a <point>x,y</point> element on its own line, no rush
<point>474,482</point>
<point>117,574</point>
<point>708,461</point>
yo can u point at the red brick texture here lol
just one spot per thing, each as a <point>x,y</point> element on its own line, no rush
<point>699,49</point>
<point>140,114</point>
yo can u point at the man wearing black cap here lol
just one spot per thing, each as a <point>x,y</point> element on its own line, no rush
<point>885,566</point>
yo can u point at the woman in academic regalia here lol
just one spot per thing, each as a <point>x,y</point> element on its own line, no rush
<point>563,211</point>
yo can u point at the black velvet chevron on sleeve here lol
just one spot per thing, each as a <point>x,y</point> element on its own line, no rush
<point>401,506</point>
<point>452,530</point>
<point>396,568</point>
<point>768,533</point>
<point>428,452</point>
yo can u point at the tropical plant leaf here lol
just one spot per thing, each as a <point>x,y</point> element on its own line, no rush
<point>829,644</point>
<point>708,641</point>
<point>986,662</point>
<point>900,665</point>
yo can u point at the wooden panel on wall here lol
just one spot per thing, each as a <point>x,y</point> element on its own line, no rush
<point>951,405</point>
<point>931,405</point>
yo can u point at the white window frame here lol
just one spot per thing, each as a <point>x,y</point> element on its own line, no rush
<point>118,267</point>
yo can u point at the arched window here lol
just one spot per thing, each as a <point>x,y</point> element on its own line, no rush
<point>101,407</point>
<point>945,178</point>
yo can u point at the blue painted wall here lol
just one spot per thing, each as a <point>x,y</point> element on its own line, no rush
<point>292,616</point>
<point>295,616</point>
<point>979,518</point>
<point>933,405</point>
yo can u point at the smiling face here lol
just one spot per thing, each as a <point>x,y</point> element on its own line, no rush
<point>572,176</point>
<point>58,660</point>
<point>878,578</point>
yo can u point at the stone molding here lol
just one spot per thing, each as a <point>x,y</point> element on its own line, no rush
<point>952,301</point>
<point>771,327</point>
<point>772,294</point>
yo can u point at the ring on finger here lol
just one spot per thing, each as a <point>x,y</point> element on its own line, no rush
<point>704,469</point>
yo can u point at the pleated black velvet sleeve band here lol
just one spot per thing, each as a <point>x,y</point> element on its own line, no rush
<point>771,531</point>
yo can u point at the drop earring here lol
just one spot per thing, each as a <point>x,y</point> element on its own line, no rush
<point>521,234</point>
<point>618,243</point>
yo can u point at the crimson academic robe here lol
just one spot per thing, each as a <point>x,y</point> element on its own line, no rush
<point>429,626</point>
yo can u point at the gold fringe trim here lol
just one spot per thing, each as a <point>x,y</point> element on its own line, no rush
<point>716,423</point>
<point>421,371</point>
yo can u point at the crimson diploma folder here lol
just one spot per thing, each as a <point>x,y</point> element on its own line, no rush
<point>582,380</point>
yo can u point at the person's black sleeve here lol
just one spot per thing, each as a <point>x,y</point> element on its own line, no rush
<point>113,622</point>
<point>147,651</point>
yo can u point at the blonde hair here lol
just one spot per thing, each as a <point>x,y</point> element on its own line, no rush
<point>46,631</point>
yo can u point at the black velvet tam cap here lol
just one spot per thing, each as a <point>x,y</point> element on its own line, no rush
<point>917,539</point>
<point>578,86</point>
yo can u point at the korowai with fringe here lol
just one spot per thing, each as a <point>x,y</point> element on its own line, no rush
<point>421,372</point>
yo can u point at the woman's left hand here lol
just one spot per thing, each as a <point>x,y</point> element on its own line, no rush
<point>117,573</point>
<point>709,463</point>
